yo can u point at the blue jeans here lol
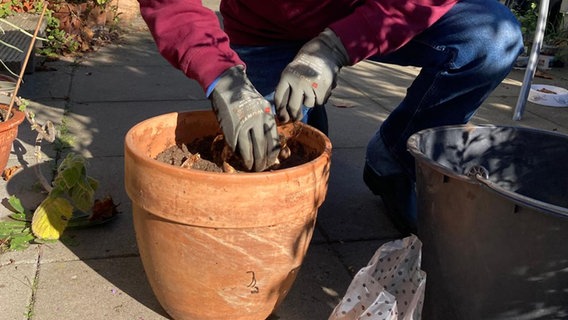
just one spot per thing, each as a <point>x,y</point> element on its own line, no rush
<point>463,56</point>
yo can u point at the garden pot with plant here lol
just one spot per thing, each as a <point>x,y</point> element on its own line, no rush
<point>216,244</point>
<point>70,194</point>
<point>10,116</point>
<point>8,123</point>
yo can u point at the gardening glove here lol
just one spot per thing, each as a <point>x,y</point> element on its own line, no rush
<point>311,76</point>
<point>246,119</point>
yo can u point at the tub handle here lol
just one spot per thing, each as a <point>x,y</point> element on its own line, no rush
<point>478,172</point>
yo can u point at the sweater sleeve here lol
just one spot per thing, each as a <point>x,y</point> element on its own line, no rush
<point>189,36</point>
<point>382,26</point>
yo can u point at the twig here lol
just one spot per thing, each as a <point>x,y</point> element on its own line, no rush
<point>21,30</point>
<point>46,132</point>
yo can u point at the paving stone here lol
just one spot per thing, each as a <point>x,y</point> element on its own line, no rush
<point>95,289</point>
<point>99,128</point>
<point>16,282</point>
<point>132,83</point>
<point>351,212</point>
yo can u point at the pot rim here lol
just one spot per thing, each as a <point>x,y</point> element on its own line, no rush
<point>15,120</point>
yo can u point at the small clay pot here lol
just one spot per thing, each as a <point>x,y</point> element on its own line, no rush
<point>8,133</point>
<point>220,245</point>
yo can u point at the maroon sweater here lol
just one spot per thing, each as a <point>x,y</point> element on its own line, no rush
<point>189,36</point>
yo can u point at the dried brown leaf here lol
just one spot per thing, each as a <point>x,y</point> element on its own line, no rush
<point>9,172</point>
<point>104,209</point>
<point>543,75</point>
<point>344,106</point>
<point>190,161</point>
<point>228,168</point>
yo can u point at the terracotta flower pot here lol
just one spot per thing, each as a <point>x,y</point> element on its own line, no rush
<point>220,245</point>
<point>8,133</point>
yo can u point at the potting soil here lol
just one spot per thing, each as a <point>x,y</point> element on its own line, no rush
<point>211,154</point>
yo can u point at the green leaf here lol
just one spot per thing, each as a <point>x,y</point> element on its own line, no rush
<point>93,183</point>
<point>15,234</point>
<point>8,228</point>
<point>57,192</point>
<point>16,204</point>
<point>21,241</point>
<point>82,196</point>
<point>70,172</point>
<point>72,179</point>
<point>20,217</point>
<point>68,177</point>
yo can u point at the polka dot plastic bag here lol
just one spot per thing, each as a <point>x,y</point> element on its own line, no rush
<point>390,287</point>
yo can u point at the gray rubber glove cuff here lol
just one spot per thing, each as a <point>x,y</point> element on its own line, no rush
<point>310,77</point>
<point>246,119</point>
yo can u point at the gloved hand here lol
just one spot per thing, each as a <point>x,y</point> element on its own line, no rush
<point>311,76</point>
<point>246,119</point>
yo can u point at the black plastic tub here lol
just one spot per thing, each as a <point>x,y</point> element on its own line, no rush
<point>493,219</point>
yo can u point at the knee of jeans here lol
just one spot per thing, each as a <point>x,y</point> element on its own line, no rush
<point>494,49</point>
<point>506,45</point>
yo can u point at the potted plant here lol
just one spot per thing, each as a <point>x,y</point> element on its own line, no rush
<point>10,121</point>
<point>217,245</point>
<point>10,116</point>
<point>85,21</point>
<point>557,44</point>
<point>70,194</point>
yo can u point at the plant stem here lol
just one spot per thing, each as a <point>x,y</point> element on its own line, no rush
<point>25,63</point>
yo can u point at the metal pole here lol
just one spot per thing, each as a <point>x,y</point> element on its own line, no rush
<point>533,59</point>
